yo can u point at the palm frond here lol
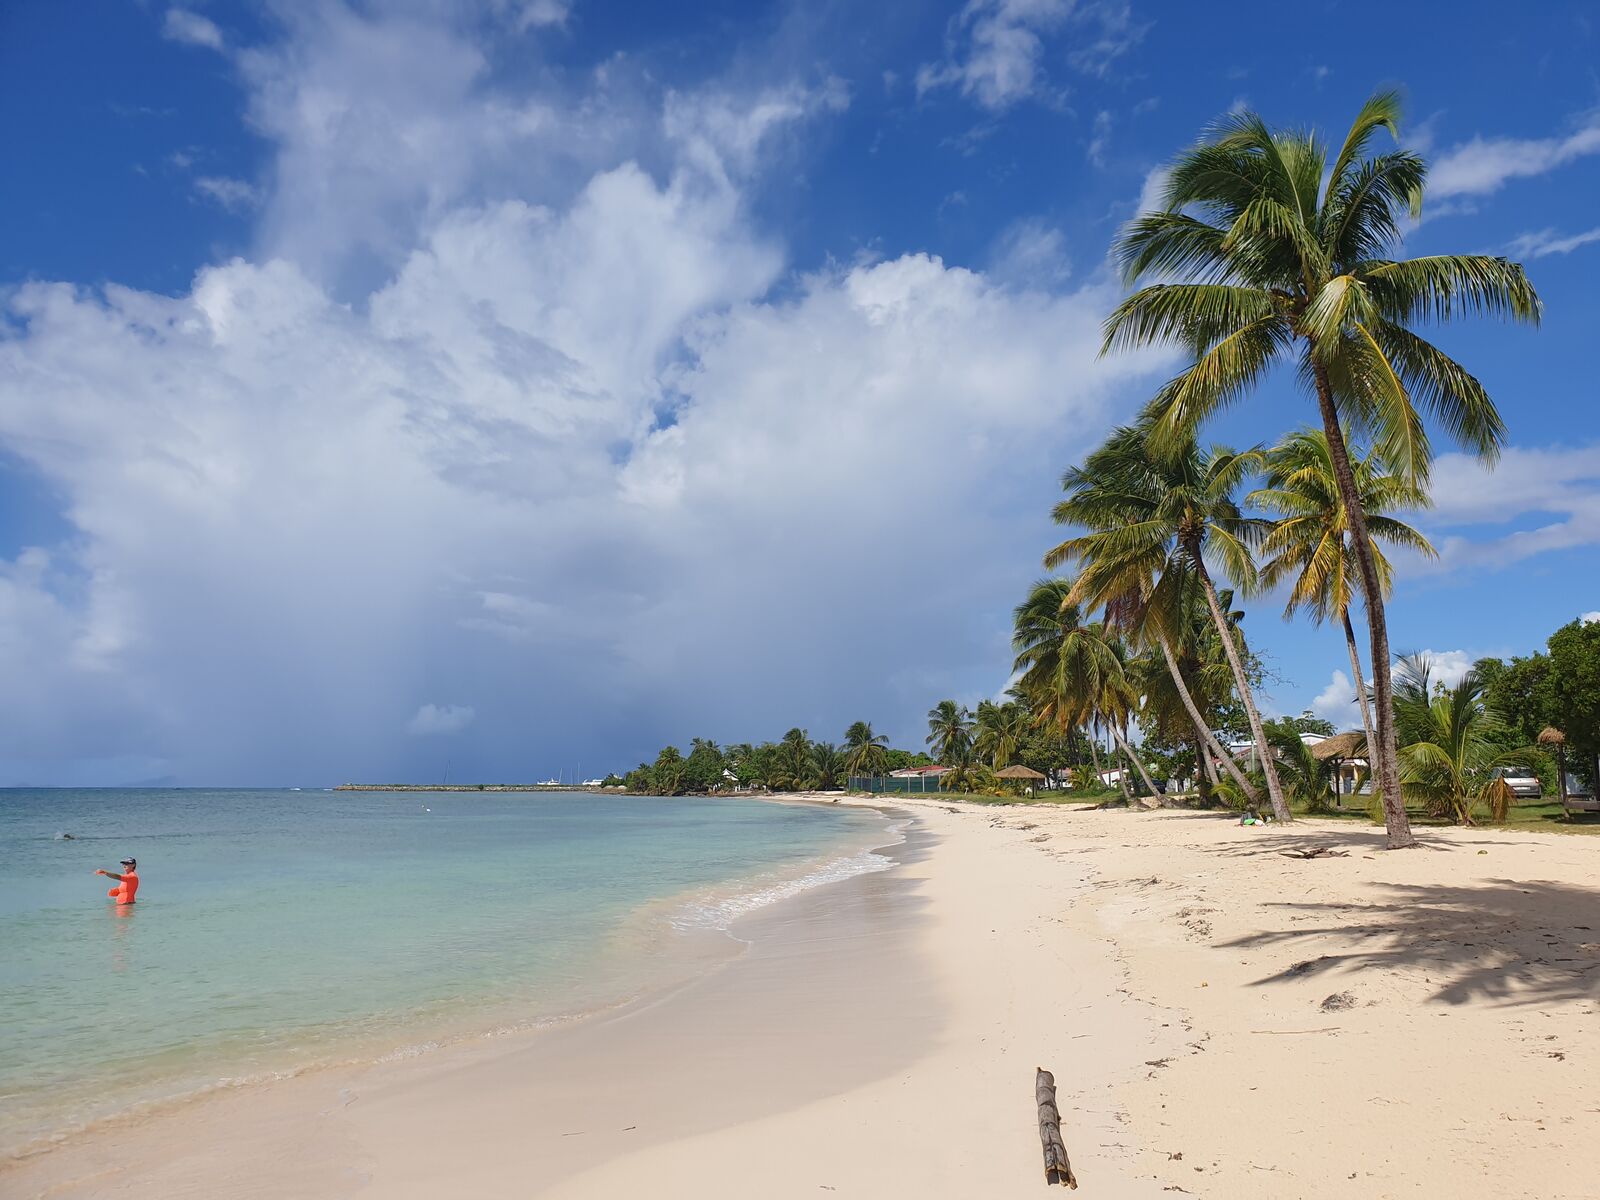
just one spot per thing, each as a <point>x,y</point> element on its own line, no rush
<point>1444,286</point>
<point>1196,315</point>
<point>1452,396</point>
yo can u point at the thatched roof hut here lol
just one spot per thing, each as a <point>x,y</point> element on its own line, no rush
<point>1018,771</point>
<point>1341,745</point>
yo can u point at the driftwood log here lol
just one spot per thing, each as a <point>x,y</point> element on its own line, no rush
<point>1057,1167</point>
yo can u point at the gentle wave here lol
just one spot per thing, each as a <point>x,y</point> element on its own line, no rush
<point>719,911</point>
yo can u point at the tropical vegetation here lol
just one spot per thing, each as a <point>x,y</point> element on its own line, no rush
<point>1263,252</point>
<point>1269,247</point>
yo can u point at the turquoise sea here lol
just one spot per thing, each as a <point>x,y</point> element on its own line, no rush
<point>277,930</point>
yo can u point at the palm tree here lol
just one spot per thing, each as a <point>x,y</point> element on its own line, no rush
<point>949,729</point>
<point>1451,742</point>
<point>1151,518</point>
<point>1310,542</point>
<point>1307,779</point>
<point>827,766</point>
<point>999,728</point>
<point>1204,669</point>
<point>792,764</point>
<point>1277,256</point>
<point>967,772</point>
<point>866,752</point>
<point>1073,673</point>
<point>1184,679</point>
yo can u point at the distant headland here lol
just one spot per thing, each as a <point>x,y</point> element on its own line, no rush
<point>474,787</point>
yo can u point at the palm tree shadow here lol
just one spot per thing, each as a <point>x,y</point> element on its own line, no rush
<point>1508,941</point>
<point>1356,840</point>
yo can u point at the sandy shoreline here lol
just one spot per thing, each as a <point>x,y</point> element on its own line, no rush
<point>1223,1020</point>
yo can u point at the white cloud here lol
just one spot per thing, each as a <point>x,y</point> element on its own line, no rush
<point>1589,618</point>
<point>1483,165</point>
<point>720,132</point>
<point>1548,241</point>
<point>995,49</point>
<point>235,195</point>
<point>192,29</point>
<point>1100,138</point>
<point>1155,184</point>
<point>1030,253</point>
<point>435,719</point>
<point>1558,487</point>
<point>572,454</point>
<point>1110,32</point>
<point>1447,666</point>
<point>1526,479</point>
<point>537,14</point>
<point>1337,703</point>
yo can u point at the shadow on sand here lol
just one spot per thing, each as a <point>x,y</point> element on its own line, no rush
<point>1357,840</point>
<point>1506,941</point>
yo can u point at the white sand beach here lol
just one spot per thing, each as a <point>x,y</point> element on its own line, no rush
<point>1222,1019</point>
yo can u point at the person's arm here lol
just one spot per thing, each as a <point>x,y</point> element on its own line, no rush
<point>111,875</point>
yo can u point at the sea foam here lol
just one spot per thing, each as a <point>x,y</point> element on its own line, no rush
<point>719,910</point>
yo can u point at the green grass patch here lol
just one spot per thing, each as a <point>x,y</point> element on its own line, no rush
<point>1544,814</point>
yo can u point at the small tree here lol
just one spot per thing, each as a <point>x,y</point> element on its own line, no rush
<point>1449,742</point>
<point>1575,689</point>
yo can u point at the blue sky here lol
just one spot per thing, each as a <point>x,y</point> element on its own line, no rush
<point>522,385</point>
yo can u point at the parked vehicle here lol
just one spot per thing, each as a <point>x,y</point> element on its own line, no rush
<point>1524,784</point>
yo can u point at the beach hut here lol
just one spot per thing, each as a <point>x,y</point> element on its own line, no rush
<point>1346,750</point>
<point>1021,775</point>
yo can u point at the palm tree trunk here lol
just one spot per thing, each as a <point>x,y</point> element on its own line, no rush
<point>1206,786</point>
<point>1269,767</point>
<point>1361,685</point>
<point>1386,746</point>
<point>1206,738</point>
<point>1138,764</point>
<point>1094,757</point>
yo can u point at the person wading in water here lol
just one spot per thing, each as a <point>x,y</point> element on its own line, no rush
<point>127,883</point>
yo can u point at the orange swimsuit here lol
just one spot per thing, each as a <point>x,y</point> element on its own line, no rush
<point>123,892</point>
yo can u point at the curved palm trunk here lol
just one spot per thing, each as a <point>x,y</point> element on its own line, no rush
<point>1208,785</point>
<point>1094,756</point>
<point>1386,744</point>
<point>1361,684</point>
<point>1207,739</point>
<point>1269,766</point>
<point>1137,762</point>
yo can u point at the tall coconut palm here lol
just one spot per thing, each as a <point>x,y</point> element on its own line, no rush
<point>792,766</point>
<point>1151,518</point>
<point>1276,256</point>
<point>827,766</point>
<point>997,731</point>
<point>1184,678</point>
<point>865,752</point>
<point>949,730</point>
<point>1309,546</point>
<point>1073,673</point>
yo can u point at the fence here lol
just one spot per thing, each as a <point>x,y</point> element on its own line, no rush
<point>878,784</point>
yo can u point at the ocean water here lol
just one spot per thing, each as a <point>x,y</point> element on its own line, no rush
<point>277,930</point>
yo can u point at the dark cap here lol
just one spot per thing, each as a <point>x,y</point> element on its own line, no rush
<point>130,862</point>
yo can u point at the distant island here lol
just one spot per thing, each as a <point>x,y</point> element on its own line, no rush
<point>474,787</point>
